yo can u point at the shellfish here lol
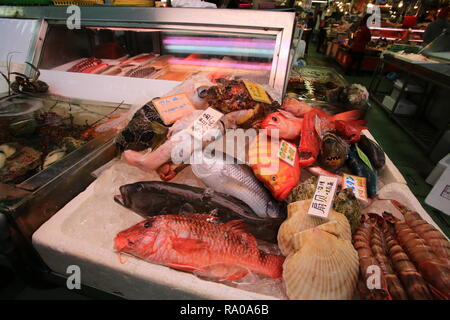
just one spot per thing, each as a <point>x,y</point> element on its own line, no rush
<point>325,267</point>
<point>299,220</point>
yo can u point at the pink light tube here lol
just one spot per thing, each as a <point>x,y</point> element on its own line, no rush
<point>222,64</point>
<point>234,42</point>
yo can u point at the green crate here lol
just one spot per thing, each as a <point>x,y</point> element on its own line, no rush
<point>26,2</point>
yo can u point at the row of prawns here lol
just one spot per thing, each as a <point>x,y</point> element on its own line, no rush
<point>412,257</point>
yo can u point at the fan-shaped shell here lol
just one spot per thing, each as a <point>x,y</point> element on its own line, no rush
<point>299,220</point>
<point>325,268</point>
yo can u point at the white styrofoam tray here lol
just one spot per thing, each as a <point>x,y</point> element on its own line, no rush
<point>82,234</point>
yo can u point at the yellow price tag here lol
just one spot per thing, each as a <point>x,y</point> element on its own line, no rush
<point>257,92</point>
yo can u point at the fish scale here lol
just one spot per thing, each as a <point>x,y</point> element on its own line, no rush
<point>206,244</point>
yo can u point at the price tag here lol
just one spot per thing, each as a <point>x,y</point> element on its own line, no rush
<point>322,201</point>
<point>173,108</point>
<point>287,152</point>
<point>363,157</point>
<point>257,92</point>
<point>206,121</point>
<point>357,184</point>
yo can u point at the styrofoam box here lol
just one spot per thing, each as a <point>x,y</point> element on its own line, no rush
<point>82,234</point>
<point>439,197</point>
<point>442,165</point>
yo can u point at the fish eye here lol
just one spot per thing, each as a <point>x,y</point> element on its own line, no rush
<point>274,178</point>
<point>274,118</point>
<point>147,224</point>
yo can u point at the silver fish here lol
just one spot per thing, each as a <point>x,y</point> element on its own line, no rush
<point>238,181</point>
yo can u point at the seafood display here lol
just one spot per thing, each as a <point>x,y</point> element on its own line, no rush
<point>232,95</point>
<point>285,175</point>
<point>197,243</point>
<point>373,151</point>
<point>151,198</point>
<point>241,220</point>
<point>408,260</point>
<point>333,153</point>
<point>324,266</point>
<point>145,130</point>
<point>237,180</point>
<point>359,168</point>
<point>299,220</point>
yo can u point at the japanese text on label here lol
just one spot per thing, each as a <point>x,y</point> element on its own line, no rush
<point>323,197</point>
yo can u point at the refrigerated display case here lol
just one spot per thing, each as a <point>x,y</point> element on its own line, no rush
<point>128,56</point>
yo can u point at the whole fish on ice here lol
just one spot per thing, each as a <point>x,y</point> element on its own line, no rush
<point>152,198</point>
<point>199,244</point>
<point>237,180</point>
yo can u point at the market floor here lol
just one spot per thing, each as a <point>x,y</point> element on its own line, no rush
<point>412,162</point>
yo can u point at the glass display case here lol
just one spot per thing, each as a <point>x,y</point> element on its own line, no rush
<point>121,54</point>
<point>118,58</point>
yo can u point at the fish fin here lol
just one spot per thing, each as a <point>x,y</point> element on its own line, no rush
<point>222,272</point>
<point>186,208</point>
<point>239,228</point>
<point>183,267</point>
<point>347,115</point>
<point>188,246</point>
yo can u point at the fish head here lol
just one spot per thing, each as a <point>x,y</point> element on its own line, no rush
<point>141,236</point>
<point>276,210</point>
<point>142,198</point>
<point>124,198</point>
<point>274,121</point>
<point>281,184</point>
<point>333,152</point>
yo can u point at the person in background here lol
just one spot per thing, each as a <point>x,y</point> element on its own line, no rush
<point>309,30</point>
<point>435,28</point>
<point>322,33</point>
<point>361,38</point>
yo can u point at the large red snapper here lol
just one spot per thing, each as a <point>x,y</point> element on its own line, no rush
<point>199,244</point>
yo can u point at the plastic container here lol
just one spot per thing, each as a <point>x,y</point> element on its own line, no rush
<point>404,106</point>
<point>439,197</point>
<point>438,170</point>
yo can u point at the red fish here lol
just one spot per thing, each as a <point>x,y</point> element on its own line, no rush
<point>296,107</point>
<point>310,141</point>
<point>199,244</point>
<point>95,68</point>
<point>318,171</point>
<point>289,126</point>
<point>279,176</point>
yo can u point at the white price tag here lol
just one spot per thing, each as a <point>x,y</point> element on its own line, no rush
<point>206,121</point>
<point>322,201</point>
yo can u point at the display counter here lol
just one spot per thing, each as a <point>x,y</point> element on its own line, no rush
<point>416,99</point>
<point>229,244</point>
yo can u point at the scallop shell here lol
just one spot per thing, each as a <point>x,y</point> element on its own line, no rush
<point>299,220</point>
<point>326,267</point>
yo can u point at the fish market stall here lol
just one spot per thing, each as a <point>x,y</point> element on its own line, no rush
<point>217,185</point>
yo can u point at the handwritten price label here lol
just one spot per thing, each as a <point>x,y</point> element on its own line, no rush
<point>257,92</point>
<point>287,152</point>
<point>322,201</point>
<point>206,121</point>
<point>173,108</point>
<point>357,184</point>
